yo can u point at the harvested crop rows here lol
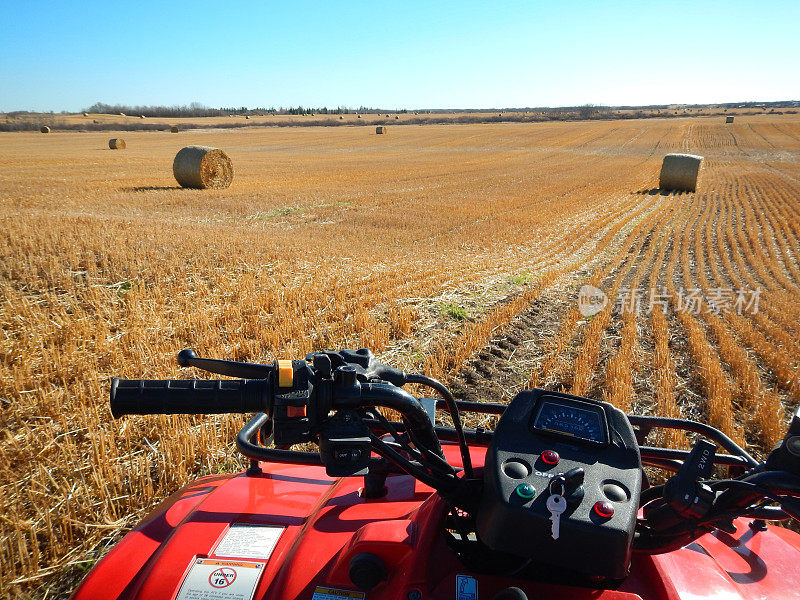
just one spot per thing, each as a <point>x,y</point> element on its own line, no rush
<point>458,250</point>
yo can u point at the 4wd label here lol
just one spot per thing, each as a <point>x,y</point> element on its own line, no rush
<point>212,579</point>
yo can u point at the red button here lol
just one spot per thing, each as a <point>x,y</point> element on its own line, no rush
<point>550,457</point>
<point>604,509</point>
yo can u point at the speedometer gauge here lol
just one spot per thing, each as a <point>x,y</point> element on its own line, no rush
<point>571,418</point>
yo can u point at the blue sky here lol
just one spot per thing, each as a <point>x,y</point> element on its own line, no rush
<point>66,56</point>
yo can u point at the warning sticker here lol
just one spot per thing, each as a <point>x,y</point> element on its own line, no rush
<point>249,541</point>
<point>466,588</point>
<point>211,579</point>
<point>325,593</point>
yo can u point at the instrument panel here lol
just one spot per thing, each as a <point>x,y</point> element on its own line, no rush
<point>581,422</point>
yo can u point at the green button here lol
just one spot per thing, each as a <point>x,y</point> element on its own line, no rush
<point>525,490</point>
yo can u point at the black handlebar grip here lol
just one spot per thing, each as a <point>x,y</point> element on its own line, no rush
<point>189,396</point>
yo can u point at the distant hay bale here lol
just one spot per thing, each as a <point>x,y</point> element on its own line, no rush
<point>95,121</point>
<point>247,116</point>
<point>396,117</point>
<point>121,114</point>
<point>679,172</point>
<point>359,116</point>
<point>202,167</point>
<point>341,117</point>
<point>380,129</point>
<point>174,129</point>
<point>116,144</point>
<point>45,129</point>
<point>85,114</point>
<point>729,119</point>
<point>141,116</point>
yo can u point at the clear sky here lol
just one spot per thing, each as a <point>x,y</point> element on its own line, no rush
<point>412,54</point>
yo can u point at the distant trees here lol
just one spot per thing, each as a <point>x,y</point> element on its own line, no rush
<point>587,111</point>
<point>197,109</point>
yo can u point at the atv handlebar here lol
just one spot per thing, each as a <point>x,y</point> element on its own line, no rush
<point>189,396</point>
<point>333,399</point>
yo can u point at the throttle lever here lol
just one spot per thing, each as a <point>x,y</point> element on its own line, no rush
<point>188,358</point>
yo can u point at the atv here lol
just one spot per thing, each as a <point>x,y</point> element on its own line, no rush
<point>554,503</point>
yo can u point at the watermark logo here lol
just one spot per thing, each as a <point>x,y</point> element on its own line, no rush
<point>591,300</point>
<point>695,301</point>
<point>692,300</point>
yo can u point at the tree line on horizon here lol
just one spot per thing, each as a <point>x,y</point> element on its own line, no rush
<point>196,109</point>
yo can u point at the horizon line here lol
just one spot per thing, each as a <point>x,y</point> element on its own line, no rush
<point>200,106</point>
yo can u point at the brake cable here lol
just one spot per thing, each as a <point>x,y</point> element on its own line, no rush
<point>420,452</point>
<point>409,467</point>
<point>454,415</point>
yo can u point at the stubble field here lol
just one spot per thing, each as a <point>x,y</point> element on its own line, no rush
<point>457,250</point>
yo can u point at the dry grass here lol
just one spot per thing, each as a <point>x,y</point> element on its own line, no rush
<point>328,238</point>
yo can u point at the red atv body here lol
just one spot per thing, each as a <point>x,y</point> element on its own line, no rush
<point>327,522</point>
<point>553,504</point>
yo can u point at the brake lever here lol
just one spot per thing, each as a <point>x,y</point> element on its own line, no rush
<point>188,358</point>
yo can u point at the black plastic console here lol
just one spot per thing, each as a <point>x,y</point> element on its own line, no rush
<point>543,435</point>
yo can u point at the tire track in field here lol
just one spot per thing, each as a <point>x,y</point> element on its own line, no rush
<point>505,364</point>
<point>451,354</point>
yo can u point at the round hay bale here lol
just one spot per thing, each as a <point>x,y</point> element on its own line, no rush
<point>45,129</point>
<point>396,117</point>
<point>359,116</point>
<point>247,116</point>
<point>121,114</point>
<point>116,144</point>
<point>174,129</point>
<point>679,172</point>
<point>202,167</point>
<point>85,114</point>
<point>141,116</point>
<point>341,117</point>
<point>95,121</point>
<point>380,129</point>
<point>729,119</point>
